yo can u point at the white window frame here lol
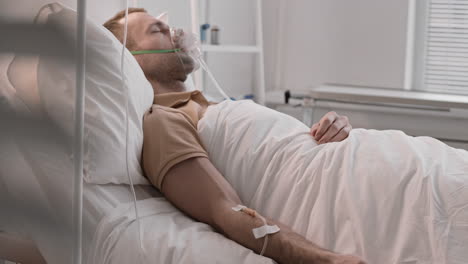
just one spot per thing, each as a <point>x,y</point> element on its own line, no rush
<point>415,44</point>
<point>416,52</point>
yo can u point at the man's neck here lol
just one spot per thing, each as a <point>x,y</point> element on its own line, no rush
<point>168,87</point>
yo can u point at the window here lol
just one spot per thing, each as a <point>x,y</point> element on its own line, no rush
<point>441,47</point>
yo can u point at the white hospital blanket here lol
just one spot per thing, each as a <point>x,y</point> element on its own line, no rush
<point>382,195</point>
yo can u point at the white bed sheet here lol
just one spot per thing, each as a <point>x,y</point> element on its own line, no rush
<point>100,200</point>
<point>168,236</point>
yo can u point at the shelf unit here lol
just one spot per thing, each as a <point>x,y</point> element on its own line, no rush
<point>257,50</point>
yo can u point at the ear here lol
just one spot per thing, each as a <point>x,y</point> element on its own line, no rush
<point>164,17</point>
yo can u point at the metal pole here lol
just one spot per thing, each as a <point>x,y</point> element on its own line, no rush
<point>259,90</point>
<point>78,135</point>
<point>280,45</point>
<point>195,21</point>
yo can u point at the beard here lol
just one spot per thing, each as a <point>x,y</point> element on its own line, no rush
<point>168,67</point>
<point>188,63</point>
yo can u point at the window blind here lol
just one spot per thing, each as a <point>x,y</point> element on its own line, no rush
<point>446,61</point>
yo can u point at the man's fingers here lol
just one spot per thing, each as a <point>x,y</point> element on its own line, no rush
<point>334,129</point>
<point>313,129</point>
<point>325,123</point>
<point>344,133</point>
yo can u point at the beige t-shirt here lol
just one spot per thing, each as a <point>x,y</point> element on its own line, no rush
<point>170,133</point>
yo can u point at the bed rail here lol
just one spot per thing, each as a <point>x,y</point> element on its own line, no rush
<point>79,130</point>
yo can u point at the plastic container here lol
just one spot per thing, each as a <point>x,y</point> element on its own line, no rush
<point>214,35</point>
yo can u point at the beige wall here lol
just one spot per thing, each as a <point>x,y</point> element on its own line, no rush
<point>359,42</point>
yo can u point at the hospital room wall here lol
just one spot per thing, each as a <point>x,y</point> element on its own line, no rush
<point>25,10</point>
<point>359,42</point>
<point>99,11</point>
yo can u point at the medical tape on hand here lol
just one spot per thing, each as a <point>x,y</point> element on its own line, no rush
<point>264,230</point>
<point>239,207</point>
<point>258,232</point>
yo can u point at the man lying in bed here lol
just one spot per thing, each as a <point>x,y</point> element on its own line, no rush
<point>176,162</point>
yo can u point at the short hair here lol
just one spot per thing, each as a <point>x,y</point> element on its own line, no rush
<point>117,28</point>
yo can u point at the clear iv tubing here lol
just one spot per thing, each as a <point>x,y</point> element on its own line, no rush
<point>207,70</point>
<point>124,43</point>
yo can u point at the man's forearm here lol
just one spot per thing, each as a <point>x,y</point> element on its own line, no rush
<point>285,246</point>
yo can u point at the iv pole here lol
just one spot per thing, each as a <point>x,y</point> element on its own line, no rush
<point>78,133</point>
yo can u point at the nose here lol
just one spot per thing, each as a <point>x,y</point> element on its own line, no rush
<point>164,27</point>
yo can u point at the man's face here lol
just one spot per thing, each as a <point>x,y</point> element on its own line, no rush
<point>150,33</point>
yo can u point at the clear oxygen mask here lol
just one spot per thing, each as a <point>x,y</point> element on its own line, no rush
<point>190,44</point>
<point>185,44</point>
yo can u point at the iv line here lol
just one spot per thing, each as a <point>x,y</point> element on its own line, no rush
<point>124,43</point>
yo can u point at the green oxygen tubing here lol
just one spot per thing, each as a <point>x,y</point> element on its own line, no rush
<point>138,52</point>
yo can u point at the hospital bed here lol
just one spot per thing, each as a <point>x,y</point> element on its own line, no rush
<point>37,172</point>
<point>99,200</point>
<point>172,236</point>
<point>304,199</point>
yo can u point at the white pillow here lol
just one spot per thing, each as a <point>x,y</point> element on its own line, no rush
<point>105,127</point>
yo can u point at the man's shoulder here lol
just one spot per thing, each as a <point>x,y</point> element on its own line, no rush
<point>160,109</point>
<point>158,113</point>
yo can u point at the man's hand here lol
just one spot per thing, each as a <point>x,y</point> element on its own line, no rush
<point>331,128</point>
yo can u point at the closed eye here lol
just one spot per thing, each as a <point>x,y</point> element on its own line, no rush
<point>153,28</point>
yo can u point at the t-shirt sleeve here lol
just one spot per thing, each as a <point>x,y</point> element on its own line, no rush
<point>169,137</point>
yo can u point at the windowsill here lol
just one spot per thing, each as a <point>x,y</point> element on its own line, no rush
<point>417,113</point>
<point>388,96</point>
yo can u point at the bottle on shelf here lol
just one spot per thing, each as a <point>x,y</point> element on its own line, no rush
<point>203,29</point>
<point>214,35</point>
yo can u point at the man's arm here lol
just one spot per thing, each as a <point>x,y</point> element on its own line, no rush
<point>197,188</point>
